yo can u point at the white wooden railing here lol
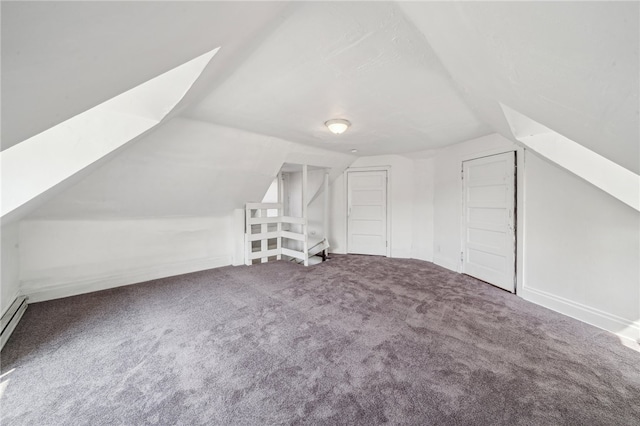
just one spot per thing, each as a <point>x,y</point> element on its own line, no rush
<point>257,216</point>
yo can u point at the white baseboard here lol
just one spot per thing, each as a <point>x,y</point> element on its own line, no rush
<point>401,253</point>
<point>12,298</point>
<point>419,256</point>
<point>11,318</point>
<point>445,263</point>
<point>622,327</point>
<point>41,290</point>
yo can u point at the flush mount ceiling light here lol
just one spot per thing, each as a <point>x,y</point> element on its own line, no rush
<point>337,125</point>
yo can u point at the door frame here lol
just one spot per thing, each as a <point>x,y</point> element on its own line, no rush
<point>388,204</point>
<point>519,200</point>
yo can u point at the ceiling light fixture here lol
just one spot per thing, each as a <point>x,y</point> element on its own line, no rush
<point>337,125</point>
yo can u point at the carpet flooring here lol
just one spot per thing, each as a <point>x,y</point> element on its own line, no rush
<point>355,340</point>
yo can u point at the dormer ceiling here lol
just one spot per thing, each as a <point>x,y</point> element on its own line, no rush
<point>410,76</point>
<point>363,61</point>
<point>61,58</point>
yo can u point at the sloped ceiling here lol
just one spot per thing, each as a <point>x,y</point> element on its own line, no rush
<point>34,167</point>
<point>61,58</point>
<point>185,167</point>
<point>572,66</point>
<point>362,61</point>
<point>411,76</point>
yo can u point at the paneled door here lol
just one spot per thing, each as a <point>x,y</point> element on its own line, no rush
<point>488,230</point>
<point>367,212</point>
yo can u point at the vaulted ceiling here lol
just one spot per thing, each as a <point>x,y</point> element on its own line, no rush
<point>411,76</point>
<point>361,61</point>
<point>62,58</point>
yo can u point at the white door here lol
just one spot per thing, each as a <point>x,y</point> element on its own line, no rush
<point>488,234</point>
<point>367,212</point>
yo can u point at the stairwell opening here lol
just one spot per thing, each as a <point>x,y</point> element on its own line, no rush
<point>291,221</point>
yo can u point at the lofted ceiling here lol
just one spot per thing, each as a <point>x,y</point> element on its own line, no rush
<point>572,66</point>
<point>61,58</point>
<point>363,61</point>
<point>410,76</point>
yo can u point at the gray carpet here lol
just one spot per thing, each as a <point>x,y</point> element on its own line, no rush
<point>356,340</point>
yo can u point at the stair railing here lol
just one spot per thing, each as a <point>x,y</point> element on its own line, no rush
<point>257,218</point>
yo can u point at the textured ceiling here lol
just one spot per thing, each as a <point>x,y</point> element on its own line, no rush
<point>572,66</point>
<point>61,58</point>
<point>360,61</point>
<point>411,76</point>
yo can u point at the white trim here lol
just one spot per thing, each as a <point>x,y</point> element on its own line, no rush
<point>514,225</point>
<point>263,236</point>
<point>520,217</point>
<point>12,317</point>
<point>263,220</point>
<point>263,206</point>
<point>39,293</point>
<point>346,202</point>
<point>487,153</point>
<point>291,235</point>
<point>368,169</point>
<point>263,254</point>
<point>305,209</point>
<point>520,211</point>
<point>604,320</point>
<point>445,262</point>
<point>293,253</point>
<point>16,294</point>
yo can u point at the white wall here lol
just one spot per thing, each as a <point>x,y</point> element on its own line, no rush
<point>401,196</point>
<point>292,200</point>
<point>185,168</point>
<point>10,265</point>
<point>63,257</point>
<point>338,215</point>
<point>167,205</point>
<point>578,248</point>
<point>315,210</point>
<point>293,204</point>
<point>448,194</point>
<point>423,193</point>
<point>578,75</point>
<point>581,249</point>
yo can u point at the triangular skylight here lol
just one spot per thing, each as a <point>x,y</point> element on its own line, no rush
<point>43,161</point>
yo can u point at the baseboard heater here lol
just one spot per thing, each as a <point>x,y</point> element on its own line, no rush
<point>11,318</point>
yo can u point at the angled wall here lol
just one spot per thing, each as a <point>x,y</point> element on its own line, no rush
<point>61,58</point>
<point>10,266</point>
<point>164,206</point>
<point>572,66</point>
<point>51,158</point>
<point>578,247</point>
<point>581,249</point>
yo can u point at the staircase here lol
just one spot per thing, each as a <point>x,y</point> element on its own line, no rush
<point>270,235</point>
<point>319,249</point>
<point>266,229</point>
